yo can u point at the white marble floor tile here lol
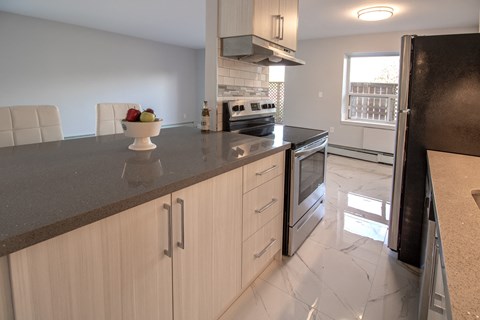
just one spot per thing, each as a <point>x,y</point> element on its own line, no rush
<point>366,178</point>
<point>395,290</point>
<point>262,301</point>
<point>350,235</point>
<point>336,283</point>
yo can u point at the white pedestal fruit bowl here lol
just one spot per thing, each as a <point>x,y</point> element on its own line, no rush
<point>142,132</point>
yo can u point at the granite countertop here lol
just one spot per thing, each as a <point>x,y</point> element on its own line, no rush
<point>51,188</point>
<point>453,179</point>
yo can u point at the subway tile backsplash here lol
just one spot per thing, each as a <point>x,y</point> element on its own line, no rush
<point>241,79</point>
<point>241,91</point>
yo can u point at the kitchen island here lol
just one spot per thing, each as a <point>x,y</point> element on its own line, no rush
<point>453,178</point>
<point>51,188</point>
<point>90,229</point>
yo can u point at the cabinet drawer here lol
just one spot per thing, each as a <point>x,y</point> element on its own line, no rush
<point>261,204</point>
<point>259,172</point>
<point>260,248</point>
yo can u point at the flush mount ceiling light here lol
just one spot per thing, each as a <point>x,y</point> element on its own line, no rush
<point>375,13</point>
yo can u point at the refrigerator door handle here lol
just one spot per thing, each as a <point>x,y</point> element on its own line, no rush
<point>407,111</point>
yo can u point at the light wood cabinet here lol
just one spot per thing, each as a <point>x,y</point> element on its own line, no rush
<point>261,204</point>
<point>259,249</point>
<point>263,185</point>
<point>289,12</point>
<point>207,254</point>
<point>115,268</point>
<point>182,256</point>
<point>272,20</point>
<point>261,171</point>
<point>6,306</point>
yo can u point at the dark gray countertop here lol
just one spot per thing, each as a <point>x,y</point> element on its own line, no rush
<point>51,188</point>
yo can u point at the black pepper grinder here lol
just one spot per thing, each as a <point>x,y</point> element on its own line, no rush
<point>205,124</point>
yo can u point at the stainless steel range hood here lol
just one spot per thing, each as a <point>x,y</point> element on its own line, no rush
<point>256,50</point>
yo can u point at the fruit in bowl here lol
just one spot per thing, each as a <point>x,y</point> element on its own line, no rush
<point>147,116</point>
<point>141,126</point>
<point>133,115</point>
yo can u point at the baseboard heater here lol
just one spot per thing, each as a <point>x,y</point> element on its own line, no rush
<point>362,154</point>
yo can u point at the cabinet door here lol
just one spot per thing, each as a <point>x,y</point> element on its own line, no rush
<point>266,20</point>
<point>207,254</point>
<point>227,239</point>
<point>111,269</point>
<point>6,306</point>
<point>192,255</point>
<point>289,12</point>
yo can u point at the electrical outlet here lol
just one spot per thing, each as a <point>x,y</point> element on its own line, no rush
<point>332,130</point>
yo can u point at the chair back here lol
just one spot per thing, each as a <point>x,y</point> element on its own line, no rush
<point>29,124</point>
<point>110,115</point>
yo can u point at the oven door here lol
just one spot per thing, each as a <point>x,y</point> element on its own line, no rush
<point>308,178</point>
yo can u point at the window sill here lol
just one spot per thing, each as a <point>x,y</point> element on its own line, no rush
<point>369,124</point>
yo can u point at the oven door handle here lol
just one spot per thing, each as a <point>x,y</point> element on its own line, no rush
<point>311,150</point>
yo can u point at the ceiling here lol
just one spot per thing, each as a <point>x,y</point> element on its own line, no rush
<point>182,22</point>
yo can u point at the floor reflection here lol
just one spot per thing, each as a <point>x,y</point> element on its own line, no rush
<point>364,227</point>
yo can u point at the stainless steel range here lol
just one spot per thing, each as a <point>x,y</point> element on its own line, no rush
<point>305,165</point>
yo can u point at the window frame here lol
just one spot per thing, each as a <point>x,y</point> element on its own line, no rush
<point>346,94</point>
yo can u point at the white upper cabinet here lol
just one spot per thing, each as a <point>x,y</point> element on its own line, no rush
<point>272,20</point>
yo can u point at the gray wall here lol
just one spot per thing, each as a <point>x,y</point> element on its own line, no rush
<point>45,62</point>
<point>323,72</point>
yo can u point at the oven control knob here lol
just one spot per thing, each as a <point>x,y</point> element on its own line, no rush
<point>242,107</point>
<point>272,105</point>
<point>235,108</point>
<point>264,106</point>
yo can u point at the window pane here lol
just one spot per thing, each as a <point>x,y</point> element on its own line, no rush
<point>372,88</point>
<point>374,69</point>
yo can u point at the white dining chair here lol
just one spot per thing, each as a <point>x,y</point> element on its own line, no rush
<point>109,116</point>
<point>29,124</point>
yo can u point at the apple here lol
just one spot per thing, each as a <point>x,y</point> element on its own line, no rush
<point>150,110</point>
<point>146,116</point>
<point>133,115</point>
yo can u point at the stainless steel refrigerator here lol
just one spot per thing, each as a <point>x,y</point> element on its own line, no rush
<point>438,109</point>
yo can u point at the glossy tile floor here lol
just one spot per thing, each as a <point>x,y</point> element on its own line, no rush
<point>344,269</point>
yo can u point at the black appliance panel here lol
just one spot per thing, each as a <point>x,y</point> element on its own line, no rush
<point>444,102</point>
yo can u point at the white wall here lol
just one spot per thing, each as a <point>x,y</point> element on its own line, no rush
<point>323,72</point>
<point>45,62</point>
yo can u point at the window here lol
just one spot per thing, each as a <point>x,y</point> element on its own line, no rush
<point>371,94</point>
<point>276,92</point>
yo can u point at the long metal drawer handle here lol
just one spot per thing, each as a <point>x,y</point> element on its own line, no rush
<point>266,171</point>
<point>261,253</point>
<point>268,205</point>
<point>282,20</point>
<point>181,244</point>
<point>278,18</point>
<point>168,252</point>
